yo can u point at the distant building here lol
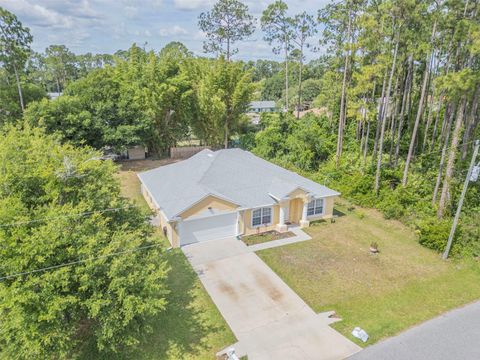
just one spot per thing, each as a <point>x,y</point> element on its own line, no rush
<point>53,95</point>
<point>257,107</point>
<point>137,152</point>
<point>262,106</point>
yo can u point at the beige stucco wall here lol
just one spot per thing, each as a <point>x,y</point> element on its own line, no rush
<point>172,233</point>
<point>148,198</point>
<point>209,202</point>
<point>247,222</point>
<point>328,209</point>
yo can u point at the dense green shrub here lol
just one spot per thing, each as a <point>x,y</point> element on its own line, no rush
<point>433,233</point>
<point>308,147</point>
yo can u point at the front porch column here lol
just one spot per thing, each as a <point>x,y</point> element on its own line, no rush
<point>304,222</point>
<point>281,226</point>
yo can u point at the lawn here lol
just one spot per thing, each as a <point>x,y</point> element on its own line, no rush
<point>191,327</point>
<point>127,175</point>
<point>384,294</point>
<point>265,237</point>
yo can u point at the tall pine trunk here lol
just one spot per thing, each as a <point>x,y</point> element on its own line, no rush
<point>451,157</point>
<point>450,116</point>
<point>419,111</point>
<point>19,87</point>
<point>341,121</point>
<point>470,123</point>
<point>379,118</point>
<point>286,73</point>
<point>383,120</point>
<point>299,101</point>
<point>405,99</point>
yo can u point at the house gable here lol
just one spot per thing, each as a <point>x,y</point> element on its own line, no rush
<point>208,203</point>
<point>298,193</point>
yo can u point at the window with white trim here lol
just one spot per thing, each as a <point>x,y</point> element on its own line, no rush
<point>262,216</point>
<point>315,207</point>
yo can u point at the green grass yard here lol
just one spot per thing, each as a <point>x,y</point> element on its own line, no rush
<point>191,327</point>
<point>384,294</point>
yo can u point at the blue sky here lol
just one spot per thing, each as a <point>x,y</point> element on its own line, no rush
<point>104,26</point>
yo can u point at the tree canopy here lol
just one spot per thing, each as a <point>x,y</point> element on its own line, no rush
<point>103,273</point>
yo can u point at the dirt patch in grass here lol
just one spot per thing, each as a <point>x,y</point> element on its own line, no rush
<point>383,293</point>
<point>144,164</point>
<point>265,237</point>
<point>129,182</point>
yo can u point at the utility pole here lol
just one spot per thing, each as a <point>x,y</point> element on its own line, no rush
<point>460,203</point>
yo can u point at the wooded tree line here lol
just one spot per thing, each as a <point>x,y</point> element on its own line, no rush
<point>402,109</point>
<point>398,85</point>
<point>410,74</point>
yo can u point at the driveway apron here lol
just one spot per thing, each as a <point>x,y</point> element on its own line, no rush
<point>268,318</point>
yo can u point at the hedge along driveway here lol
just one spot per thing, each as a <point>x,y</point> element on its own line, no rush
<point>384,294</point>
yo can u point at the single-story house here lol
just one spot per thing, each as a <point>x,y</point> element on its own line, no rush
<point>228,193</point>
<point>262,106</point>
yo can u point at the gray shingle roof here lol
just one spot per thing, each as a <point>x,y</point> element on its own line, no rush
<point>232,174</point>
<point>262,104</point>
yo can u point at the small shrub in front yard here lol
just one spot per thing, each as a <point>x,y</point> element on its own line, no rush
<point>433,233</point>
<point>265,237</point>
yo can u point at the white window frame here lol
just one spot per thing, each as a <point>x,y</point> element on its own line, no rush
<point>261,217</point>
<point>315,207</point>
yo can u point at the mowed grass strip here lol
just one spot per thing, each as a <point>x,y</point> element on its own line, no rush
<point>384,294</point>
<point>191,327</point>
<point>130,188</point>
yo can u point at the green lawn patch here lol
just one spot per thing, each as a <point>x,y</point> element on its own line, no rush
<point>385,293</point>
<point>265,237</point>
<point>191,327</point>
<point>130,188</point>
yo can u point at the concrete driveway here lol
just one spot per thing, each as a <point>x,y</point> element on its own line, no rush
<point>268,318</point>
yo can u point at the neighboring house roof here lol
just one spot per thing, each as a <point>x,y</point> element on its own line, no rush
<point>234,175</point>
<point>54,95</point>
<point>262,104</point>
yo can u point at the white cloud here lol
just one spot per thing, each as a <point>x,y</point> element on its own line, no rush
<point>172,31</point>
<point>37,14</point>
<point>130,11</point>
<point>192,4</point>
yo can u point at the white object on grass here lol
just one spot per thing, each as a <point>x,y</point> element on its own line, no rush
<point>231,354</point>
<point>361,334</point>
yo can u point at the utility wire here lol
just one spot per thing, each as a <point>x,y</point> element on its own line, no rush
<point>87,213</point>
<point>448,148</point>
<point>78,262</point>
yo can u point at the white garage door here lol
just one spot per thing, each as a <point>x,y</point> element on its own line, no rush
<point>208,228</point>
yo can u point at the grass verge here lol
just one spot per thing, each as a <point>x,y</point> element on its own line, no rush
<point>384,294</point>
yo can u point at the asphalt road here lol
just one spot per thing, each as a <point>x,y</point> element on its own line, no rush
<point>451,336</point>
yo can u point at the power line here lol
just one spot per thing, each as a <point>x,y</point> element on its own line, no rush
<point>78,262</point>
<point>446,149</point>
<point>87,213</point>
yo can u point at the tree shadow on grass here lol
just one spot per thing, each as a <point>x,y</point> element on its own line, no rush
<point>181,330</point>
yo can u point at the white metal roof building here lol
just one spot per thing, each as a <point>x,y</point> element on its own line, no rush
<point>234,176</point>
